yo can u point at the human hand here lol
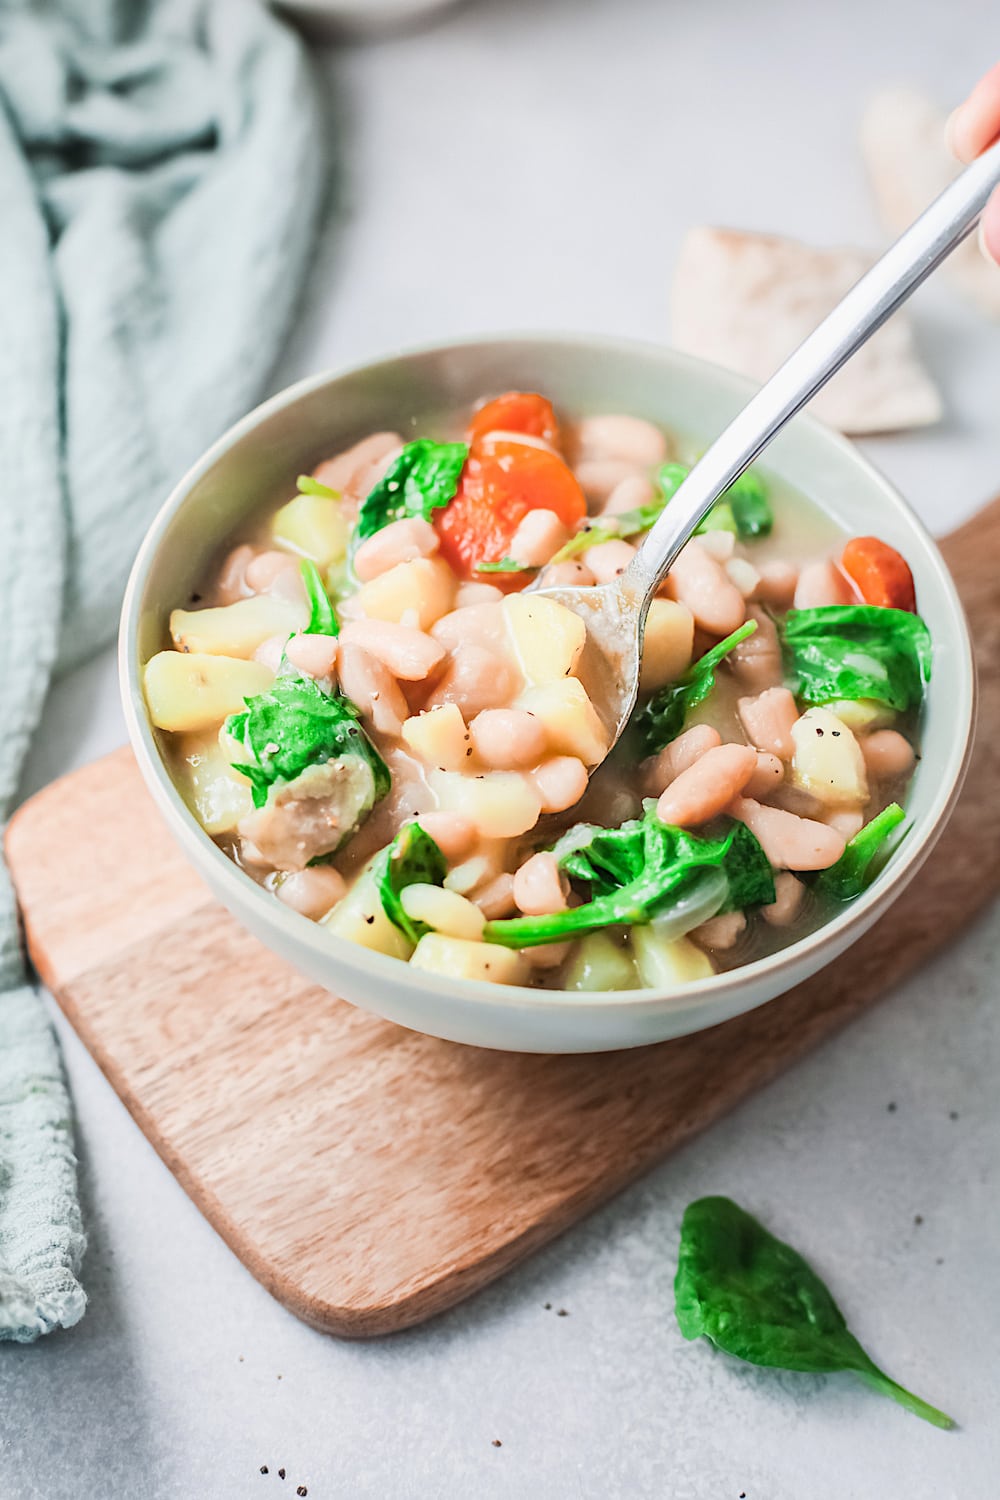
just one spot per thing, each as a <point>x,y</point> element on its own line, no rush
<point>972,127</point>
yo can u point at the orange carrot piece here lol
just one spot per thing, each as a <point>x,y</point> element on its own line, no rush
<point>881,575</point>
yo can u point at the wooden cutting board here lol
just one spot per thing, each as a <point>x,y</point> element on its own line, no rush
<point>369,1176</point>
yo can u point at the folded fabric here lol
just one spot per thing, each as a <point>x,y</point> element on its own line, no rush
<point>161,171</point>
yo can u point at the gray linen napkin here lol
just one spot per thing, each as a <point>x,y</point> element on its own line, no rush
<point>161,170</point>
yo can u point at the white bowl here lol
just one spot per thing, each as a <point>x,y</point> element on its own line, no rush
<point>257,461</point>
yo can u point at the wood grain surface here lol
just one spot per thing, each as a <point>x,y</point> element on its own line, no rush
<point>369,1176</point>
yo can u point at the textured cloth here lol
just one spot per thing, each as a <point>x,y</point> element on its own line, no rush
<point>160,180</point>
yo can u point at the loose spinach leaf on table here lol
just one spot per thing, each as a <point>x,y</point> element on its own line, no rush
<point>413,858</point>
<point>662,718</point>
<point>420,481</point>
<point>758,1299</point>
<point>858,651</point>
<point>853,872</point>
<point>322,618</point>
<point>636,872</point>
<point>295,725</point>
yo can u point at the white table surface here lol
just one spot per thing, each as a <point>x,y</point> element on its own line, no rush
<point>530,165</point>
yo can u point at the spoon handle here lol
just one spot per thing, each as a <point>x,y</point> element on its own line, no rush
<point>917,252</point>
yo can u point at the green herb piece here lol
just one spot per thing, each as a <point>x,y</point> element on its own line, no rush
<point>858,651</point>
<point>588,536</point>
<point>420,481</point>
<point>322,619</point>
<point>505,565</point>
<point>662,718</point>
<point>307,485</point>
<point>671,476</point>
<point>294,726</point>
<point>756,1298</point>
<point>853,871</point>
<point>636,873</point>
<point>413,858</point>
<point>749,505</point>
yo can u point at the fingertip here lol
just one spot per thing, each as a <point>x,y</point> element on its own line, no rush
<point>949,130</point>
<point>989,230</point>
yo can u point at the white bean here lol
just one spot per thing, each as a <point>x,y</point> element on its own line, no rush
<point>469,595</point>
<point>787,903</point>
<point>409,654</point>
<point>757,660</point>
<point>400,541</point>
<point>790,842</point>
<point>698,581</point>
<point>706,788</point>
<point>560,782</point>
<point>720,933</point>
<point>539,887</point>
<point>496,899</point>
<point>887,754</point>
<point>608,560</point>
<point>275,573</point>
<point>231,583</point>
<point>769,775</point>
<point>718,544</point>
<point>743,576</point>
<point>453,834</point>
<point>664,767</point>
<point>769,719</point>
<point>571,574</point>
<point>846,820</point>
<point>508,739</point>
<point>340,473</point>
<point>776,583</point>
<point>370,684</point>
<point>538,537</point>
<point>476,678</point>
<point>316,655</point>
<point>270,652</point>
<point>821,584</point>
<point>616,435</point>
<point>630,493</point>
<point>598,477</point>
<point>312,891</point>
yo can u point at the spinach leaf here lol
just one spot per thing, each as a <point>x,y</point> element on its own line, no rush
<point>421,480</point>
<point>756,1298</point>
<point>322,619</point>
<point>749,504</point>
<point>635,873</point>
<point>588,536</point>
<point>852,872</point>
<point>413,858</point>
<point>506,565</point>
<point>662,718</point>
<point>295,725</point>
<point>858,651</point>
<point>307,485</point>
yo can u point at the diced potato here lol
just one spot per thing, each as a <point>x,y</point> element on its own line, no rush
<point>439,737</point>
<point>313,526</point>
<point>360,918</point>
<point>192,690</point>
<point>426,586</point>
<point>461,959</point>
<point>548,637</point>
<point>828,761</point>
<point>667,644</point>
<point>598,963</point>
<point>217,795</point>
<point>501,804</point>
<point>668,963</point>
<point>236,629</point>
<point>861,714</point>
<point>571,721</point>
<point>445,911</point>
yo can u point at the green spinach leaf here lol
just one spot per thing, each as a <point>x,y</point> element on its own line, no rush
<point>421,480</point>
<point>858,651</point>
<point>749,504</point>
<point>662,718</point>
<point>413,858</point>
<point>758,1299</point>
<point>505,565</point>
<point>853,871</point>
<point>322,619</point>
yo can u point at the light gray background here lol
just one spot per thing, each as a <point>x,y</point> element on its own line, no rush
<point>529,165</point>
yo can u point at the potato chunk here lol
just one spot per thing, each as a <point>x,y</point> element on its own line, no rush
<point>571,721</point>
<point>500,804</point>
<point>315,527</point>
<point>426,587</point>
<point>664,964</point>
<point>548,637</point>
<point>439,737</point>
<point>360,918</point>
<point>192,690</point>
<point>461,959</point>
<point>666,645</point>
<point>828,761</point>
<point>216,794</point>
<point>236,629</point>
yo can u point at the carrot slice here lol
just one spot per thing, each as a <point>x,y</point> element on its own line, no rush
<point>499,485</point>
<point>516,411</point>
<point>882,576</point>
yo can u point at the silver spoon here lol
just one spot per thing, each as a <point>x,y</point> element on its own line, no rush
<point>615,613</point>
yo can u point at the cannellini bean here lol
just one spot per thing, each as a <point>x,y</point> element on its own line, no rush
<point>453,834</point>
<point>820,584</point>
<point>887,754</point>
<point>342,473</point>
<point>790,842</point>
<point>410,655</point>
<point>768,720</point>
<point>400,541</point>
<point>538,537</point>
<point>496,898</point>
<point>769,775</point>
<point>776,583</point>
<point>539,887</point>
<point>546,955</point>
<point>615,435</point>
<point>370,684</point>
<point>270,652</point>
<point>787,903</point>
<point>742,575</point>
<point>846,820</point>
<point>718,544</point>
<point>482,624</point>
<point>231,584</point>
<point>443,910</point>
<point>630,493</point>
<point>275,573</point>
<point>706,788</point>
<point>476,678</point>
<point>661,769</point>
<point>757,660</point>
<point>720,932</point>
<point>698,581</point>
<point>560,782</point>
<point>312,891</point>
<point>316,655</point>
<point>508,739</point>
<point>469,595</point>
<point>571,574</point>
<point>608,560</point>
<point>598,477</point>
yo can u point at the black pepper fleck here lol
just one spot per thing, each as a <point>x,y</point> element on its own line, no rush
<point>918,1218</point>
<point>548,1307</point>
<point>819,731</point>
<point>196,598</point>
<point>469,751</point>
<point>891,1108</point>
<point>369,920</point>
<point>562,1313</point>
<point>497,1443</point>
<point>263,1468</point>
<point>281,1473</point>
<point>302,1490</point>
<point>953,1114</point>
<point>939,1261</point>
